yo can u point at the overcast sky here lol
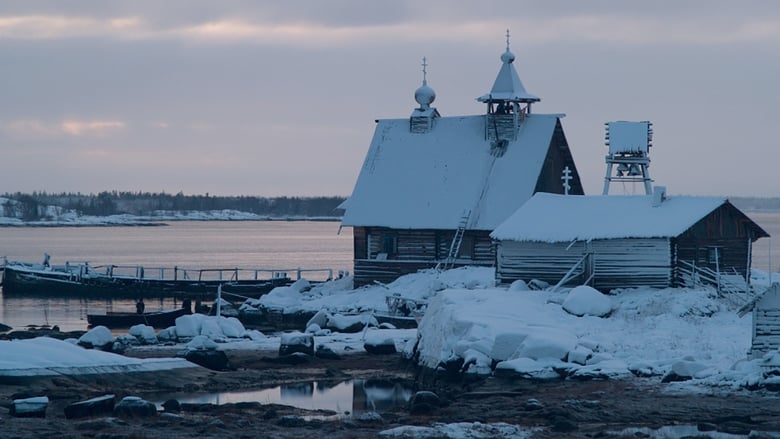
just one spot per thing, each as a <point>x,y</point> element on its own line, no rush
<point>279,98</point>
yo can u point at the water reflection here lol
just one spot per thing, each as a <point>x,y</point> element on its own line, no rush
<point>353,396</point>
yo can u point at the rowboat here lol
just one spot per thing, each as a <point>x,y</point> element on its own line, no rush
<point>159,319</point>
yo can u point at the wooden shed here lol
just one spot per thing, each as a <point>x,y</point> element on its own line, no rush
<point>432,188</point>
<point>766,322</point>
<point>625,241</point>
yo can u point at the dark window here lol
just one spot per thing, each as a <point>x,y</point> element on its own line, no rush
<point>390,244</point>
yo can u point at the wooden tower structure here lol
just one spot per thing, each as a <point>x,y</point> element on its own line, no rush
<point>629,144</point>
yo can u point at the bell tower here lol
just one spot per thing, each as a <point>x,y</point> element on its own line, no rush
<point>629,144</point>
<point>507,102</point>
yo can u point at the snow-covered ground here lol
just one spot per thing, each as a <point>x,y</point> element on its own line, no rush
<point>538,334</point>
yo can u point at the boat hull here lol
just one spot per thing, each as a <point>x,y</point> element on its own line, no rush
<point>23,281</point>
<point>162,319</point>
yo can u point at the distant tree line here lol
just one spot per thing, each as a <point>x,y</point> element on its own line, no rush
<point>33,206</point>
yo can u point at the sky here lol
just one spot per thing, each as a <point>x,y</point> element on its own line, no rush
<point>279,98</point>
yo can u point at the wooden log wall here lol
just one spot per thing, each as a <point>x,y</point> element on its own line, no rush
<point>766,331</point>
<point>416,249</point>
<point>617,263</point>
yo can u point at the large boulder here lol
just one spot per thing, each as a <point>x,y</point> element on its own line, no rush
<point>102,405</point>
<point>98,337</point>
<point>296,342</point>
<point>585,300</point>
<point>135,407</point>
<point>424,402</point>
<point>377,344</point>
<point>29,407</point>
<point>209,358</point>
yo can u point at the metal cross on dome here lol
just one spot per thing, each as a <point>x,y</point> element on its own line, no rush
<point>507,39</point>
<point>424,66</point>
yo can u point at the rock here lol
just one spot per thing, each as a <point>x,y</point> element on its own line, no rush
<point>533,404</point>
<point>5,328</point>
<point>29,407</point>
<point>423,402</point>
<point>296,342</point>
<point>98,337</point>
<point>320,319</point>
<point>217,423</point>
<point>100,424</point>
<point>291,421</point>
<point>144,333</point>
<point>562,425</point>
<point>293,359</point>
<point>706,426</point>
<point>378,345</point>
<point>210,359</point>
<point>135,407</point>
<point>683,370</point>
<point>172,405</point>
<point>102,405</point>
<point>326,353</point>
<point>584,300</point>
<point>518,285</point>
<point>350,324</point>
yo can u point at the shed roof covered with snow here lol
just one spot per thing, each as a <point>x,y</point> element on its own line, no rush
<point>558,218</point>
<point>428,181</point>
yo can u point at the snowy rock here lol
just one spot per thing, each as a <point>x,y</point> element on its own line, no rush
<point>135,407</point>
<point>527,368</point>
<point>547,343</point>
<point>145,334</point>
<point>29,407</point>
<point>231,327</point>
<point>585,300</point>
<point>98,337</point>
<point>313,328</point>
<point>296,342</point>
<point>506,344</point>
<point>320,319</point>
<point>188,326</point>
<point>610,369</point>
<point>102,405</point>
<point>350,324</point>
<point>122,342</point>
<point>476,362</point>
<point>201,343</point>
<point>684,370</point>
<point>519,285</point>
<point>167,334</point>
<point>325,352</point>
<point>579,355</point>
<point>379,344</point>
<point>254,335</point>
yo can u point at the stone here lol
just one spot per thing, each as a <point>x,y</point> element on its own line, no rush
<point>172,405</point>
<point>135,407</point>
<point>210,359</point>
<point>326,353</point>
<point>296,342</point>
<point>29,407</point>
<point>533,404</point>
<point>380,346</point>
<point>102,405</point>
<point>5,328</point>
<point>423,402</point>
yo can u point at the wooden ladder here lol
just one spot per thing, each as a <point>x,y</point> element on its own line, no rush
<point>457,240</point>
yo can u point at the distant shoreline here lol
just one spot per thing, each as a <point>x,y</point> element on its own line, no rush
<point>145,222</point>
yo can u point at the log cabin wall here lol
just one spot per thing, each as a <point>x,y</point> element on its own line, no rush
<point>617,263</point>
<point>383,254</point>
<point>726,229</point>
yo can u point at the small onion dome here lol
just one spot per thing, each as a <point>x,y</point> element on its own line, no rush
<point>424,95</point>
<point>507,57</point>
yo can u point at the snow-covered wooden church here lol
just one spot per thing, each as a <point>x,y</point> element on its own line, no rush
<point>432,188</point>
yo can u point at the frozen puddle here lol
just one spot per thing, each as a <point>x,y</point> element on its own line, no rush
<point>346,397</point>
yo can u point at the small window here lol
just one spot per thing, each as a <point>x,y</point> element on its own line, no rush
<point>390,244</point>
<point>713,255</point>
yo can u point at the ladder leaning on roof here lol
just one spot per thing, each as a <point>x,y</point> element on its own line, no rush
<point>457,240</point>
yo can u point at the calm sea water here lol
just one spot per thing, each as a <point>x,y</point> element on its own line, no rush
<point>277,245</point>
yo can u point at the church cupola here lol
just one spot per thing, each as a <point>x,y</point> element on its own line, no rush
<point>507,103</point>
<point>423,117</point>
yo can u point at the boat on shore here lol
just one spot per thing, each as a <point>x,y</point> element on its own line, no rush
<point>115,281</point>
<point>158,319</point>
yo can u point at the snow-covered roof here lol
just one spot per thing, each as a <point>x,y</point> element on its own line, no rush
<point>429,180</point>
<point>508,86</point>
<point>561,218</point>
